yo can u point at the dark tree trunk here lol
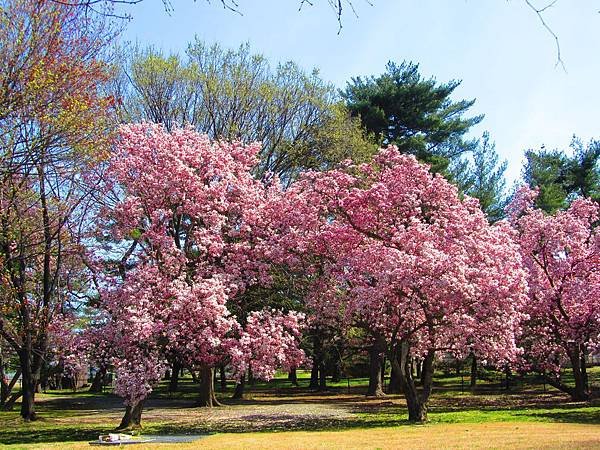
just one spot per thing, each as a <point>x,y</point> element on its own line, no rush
<point>317,362</point>
<point>322,377</point>
<point>394,387</point>
<point>222,378</point>
<point>419,365</point>
<point>473,371</point>
<point>238,392</point>
<point>580,392</point>
<point>98,381</point>
<point>507,377</point>
<point>584,374</point>
<point>207,396</point>
<point>336,375</point>
<point>314,376</point>
<point>174,381</point>
<point>28,385</point>
<point>3,385</point>
<point>8,387</point>
<point>416,403</point>
<point>10,403</point>
<point>132,419</point>
<point>376,353</point>
<point>293,376</point>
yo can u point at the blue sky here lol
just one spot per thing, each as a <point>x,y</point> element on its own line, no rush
<point>498,48</point>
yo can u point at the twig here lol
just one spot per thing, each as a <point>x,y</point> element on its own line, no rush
<point>539,12</point>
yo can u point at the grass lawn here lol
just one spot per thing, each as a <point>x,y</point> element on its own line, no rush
<point>278,415</point>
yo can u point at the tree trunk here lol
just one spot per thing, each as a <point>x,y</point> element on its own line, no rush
<point>375,388</point>
<point>98,381</point>
<point>8,387</point>
<point>584,374</point>
<point>207,396</point>
<point>395,386</point>
<point>3,386</point>
<point>132,419</point>
<point>419,365</point>
<point>314,376</point>
<point>473,371</point>
<point>322,377</point>
<point>416,403</point>
<point>222,378</point>
<point>10,403</point>
<point>336,376</point>
<point>293,376</point>
<point>238,393</point>
<point>28,385</point>
<point>317,361</point>
<point>581,391</point>
<point>174,381</point>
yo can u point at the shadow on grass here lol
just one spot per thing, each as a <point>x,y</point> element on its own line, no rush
<point>22,435</point>
<point>585,415</point>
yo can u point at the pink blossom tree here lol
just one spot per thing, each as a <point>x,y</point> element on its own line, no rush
<point>410,262</point>
<point>187,225</point>
<point>561,253</point>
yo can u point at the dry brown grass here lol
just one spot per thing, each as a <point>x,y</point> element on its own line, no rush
<point>438,436</point>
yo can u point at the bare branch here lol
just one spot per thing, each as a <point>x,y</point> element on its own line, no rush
<point>539,12</point>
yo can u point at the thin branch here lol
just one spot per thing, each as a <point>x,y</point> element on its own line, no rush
<point>539,12</point>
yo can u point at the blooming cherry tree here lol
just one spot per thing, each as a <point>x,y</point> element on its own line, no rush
<point>187,223</point>
<point>409,261</point>
<point>561,253</point>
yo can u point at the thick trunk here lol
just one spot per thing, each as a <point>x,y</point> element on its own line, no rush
<point>473,371</point>
<point>238,393</point>
<point>174,381</point>
<point>581,391</point>
<point>293,377</point>
<point>395,386</point>
<point>322,377</point>
<point>207,397</point>
<point>416,403</point>
<point>314,376</point>
<point>98,381</point>
<point>28,385</point>
<point>133,417</point>
<point>584,374</point>
<point>222,378</point>
<point>375,388</point>
<point>336,376</point>
<point>507,376</point>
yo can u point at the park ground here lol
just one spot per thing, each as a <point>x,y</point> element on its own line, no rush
<point>279,415</point>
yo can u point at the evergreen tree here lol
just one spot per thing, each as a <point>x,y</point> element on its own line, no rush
<point>583,170</point>
<point>485,179</point>
<point>561,178</point>
<point>400,107</point>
